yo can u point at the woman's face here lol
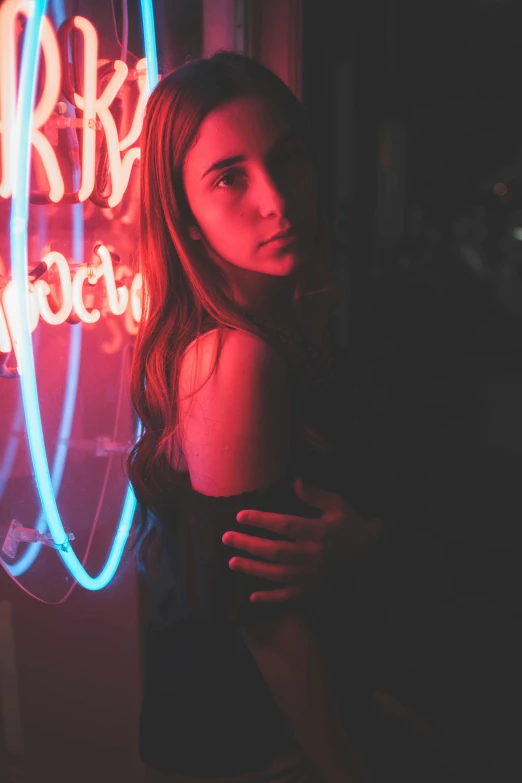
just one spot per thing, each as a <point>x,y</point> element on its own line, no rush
<point>246,179</point>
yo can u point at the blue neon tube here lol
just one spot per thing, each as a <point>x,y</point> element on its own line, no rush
<point>18,236</point>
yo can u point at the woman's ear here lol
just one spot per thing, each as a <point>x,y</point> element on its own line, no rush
<point>194,233</point>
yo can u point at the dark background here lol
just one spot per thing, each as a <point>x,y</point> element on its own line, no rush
<point>417,106</point>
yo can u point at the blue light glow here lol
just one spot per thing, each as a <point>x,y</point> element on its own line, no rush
<point>60,455</point>
<point>73,372</point>
<point>18,237</point>
<point>149,42</point>
<point>11,449</point>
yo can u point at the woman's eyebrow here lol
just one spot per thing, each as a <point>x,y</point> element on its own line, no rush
<point>223,164</point>
<point>226,162</point>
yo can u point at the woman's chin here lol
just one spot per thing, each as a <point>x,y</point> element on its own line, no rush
<point>282,263</point>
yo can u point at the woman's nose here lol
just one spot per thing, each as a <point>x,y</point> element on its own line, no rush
<point>272,197</point>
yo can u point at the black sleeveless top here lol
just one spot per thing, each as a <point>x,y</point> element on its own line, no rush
<point>206,709</point>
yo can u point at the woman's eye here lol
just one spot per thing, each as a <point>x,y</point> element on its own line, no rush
<point>228,180</point>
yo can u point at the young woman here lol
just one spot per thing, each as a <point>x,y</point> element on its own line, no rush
<point>236,390</point>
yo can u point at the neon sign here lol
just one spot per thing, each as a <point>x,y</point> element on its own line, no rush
<point>96,114</point>
<point>72,296</point>
<point>20,132</point>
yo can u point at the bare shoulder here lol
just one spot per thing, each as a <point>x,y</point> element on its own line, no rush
<point>236,343</point>
<point>244,357</point>
<point>235,423</point>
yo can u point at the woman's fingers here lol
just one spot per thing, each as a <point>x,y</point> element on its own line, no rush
<point>328,502</point>
<point>299,528</point>
<point>279,595</point>
<point>273,551</point>
<point>269,571</point>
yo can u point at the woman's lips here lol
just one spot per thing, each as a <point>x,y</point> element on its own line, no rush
<point>287,239</point>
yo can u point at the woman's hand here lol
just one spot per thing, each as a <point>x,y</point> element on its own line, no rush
<point>317,548</point>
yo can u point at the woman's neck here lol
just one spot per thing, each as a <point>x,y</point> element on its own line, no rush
<point>274,304</point>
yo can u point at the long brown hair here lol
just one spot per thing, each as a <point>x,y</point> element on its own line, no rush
<point>182,289</point>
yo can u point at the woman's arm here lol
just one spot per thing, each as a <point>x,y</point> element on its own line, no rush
<point>235,437</point>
